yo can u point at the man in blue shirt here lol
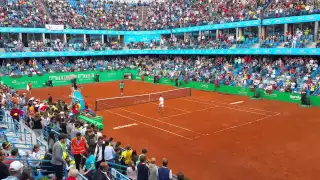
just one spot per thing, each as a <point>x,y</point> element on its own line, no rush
<point>164,173</point>
<point>143,170</point>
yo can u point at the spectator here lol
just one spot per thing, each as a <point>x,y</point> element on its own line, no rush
<point>36,124</point>
<point>57,153</point>
<point>153,170</point>
<point>45,165</point>
<point>180,176</point>
<point>3,168</point>
<point>127,155</point>
<point>35,156</point>
<point>51,140</point>
<point>49,99</point>
<point>99,151</point>
<point>101,173</point>
<point>75,130</point>
<point>73,174</point>
<point>10,159</point>
<point>15,113</point>
<point>26,174</point>
<point>144,152</point>
<point>6,148</point>
<point>15,170</point>
<point>131,172</point>
<point>143,170</point>
<point>78,148</point>
<point>90,164</point>
<point>164,173</point>
<point>109,152</point>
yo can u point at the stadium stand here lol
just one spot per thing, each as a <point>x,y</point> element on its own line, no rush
<point>288,74</point>
<point>30,128</point>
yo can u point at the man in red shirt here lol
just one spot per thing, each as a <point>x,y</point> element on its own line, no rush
<point>73,174</point>
<point>15,113</point>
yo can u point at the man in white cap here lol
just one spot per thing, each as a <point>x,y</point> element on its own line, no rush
<point>15,170</point>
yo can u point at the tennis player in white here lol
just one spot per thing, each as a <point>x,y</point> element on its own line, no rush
<point>161,104</point>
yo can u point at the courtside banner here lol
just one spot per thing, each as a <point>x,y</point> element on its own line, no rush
<point>127,75</point>
<point>53,27</point>
<point>62,79</point>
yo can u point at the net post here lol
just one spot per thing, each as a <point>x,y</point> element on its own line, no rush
<point>190,91</point>
<point>96,106</point>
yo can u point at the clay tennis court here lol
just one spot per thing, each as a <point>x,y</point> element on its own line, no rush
<point>211,136</point>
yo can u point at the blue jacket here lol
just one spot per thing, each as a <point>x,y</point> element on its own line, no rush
<point>163,173</point>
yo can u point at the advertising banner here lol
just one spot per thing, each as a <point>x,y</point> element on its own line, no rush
<point>53,27</point>
<point>61,79</point>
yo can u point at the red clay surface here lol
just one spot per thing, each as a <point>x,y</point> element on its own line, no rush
<point>208,138</point>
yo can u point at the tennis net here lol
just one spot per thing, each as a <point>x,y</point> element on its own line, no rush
<point>109,103</point>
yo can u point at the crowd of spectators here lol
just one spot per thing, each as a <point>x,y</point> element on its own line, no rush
<point>14,46</point>
<point>285,74</point>
<point>101,14</point>
<point>89,151</point>
<point>157,14</point>
<point>73,144</point>
<point>63,64</point>
<point>24,13</point>
<point>285,8</point>
<point>281,72</point>
<point>298,39</point>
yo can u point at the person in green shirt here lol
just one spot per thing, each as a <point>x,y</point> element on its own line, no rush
<point>121,88</point>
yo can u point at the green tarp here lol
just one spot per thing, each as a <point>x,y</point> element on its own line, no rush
<point>98,121</point>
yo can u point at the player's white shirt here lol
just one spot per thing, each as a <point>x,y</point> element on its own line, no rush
<point>161,101</point>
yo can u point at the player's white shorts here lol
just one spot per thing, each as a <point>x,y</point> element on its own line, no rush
<point>161,105</point>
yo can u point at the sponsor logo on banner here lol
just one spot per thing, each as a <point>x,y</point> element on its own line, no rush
<point>295,97</point>
<point>86,76</point>
<point>166,81</point>
<point>112,74</point>
<point>72,76</point>
<point>53,27</point>
<point>17,83</point>
<point>138,77</point>
<point>243,91</point>
<point>63,77</point>
<point>204,86</point>
<point>271,95</point>
<point>150,78</point>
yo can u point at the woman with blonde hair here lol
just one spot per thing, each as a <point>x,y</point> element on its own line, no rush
<point>132,171</point>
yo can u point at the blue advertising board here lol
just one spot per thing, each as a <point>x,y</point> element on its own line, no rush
<point>141,38</point>
<point>113,32</point>
<point>292,19</point>
<point>283,20</point>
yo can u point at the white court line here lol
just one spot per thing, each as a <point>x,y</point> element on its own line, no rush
<point>238,105</point>
<point>124,126</point>
<point>187,113</point>
<point>162,122</point>
<point>172,107</point>
<point>149,125</point>
<point>238,102</point>
<point>240,125</point>
<point>225,107</point>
